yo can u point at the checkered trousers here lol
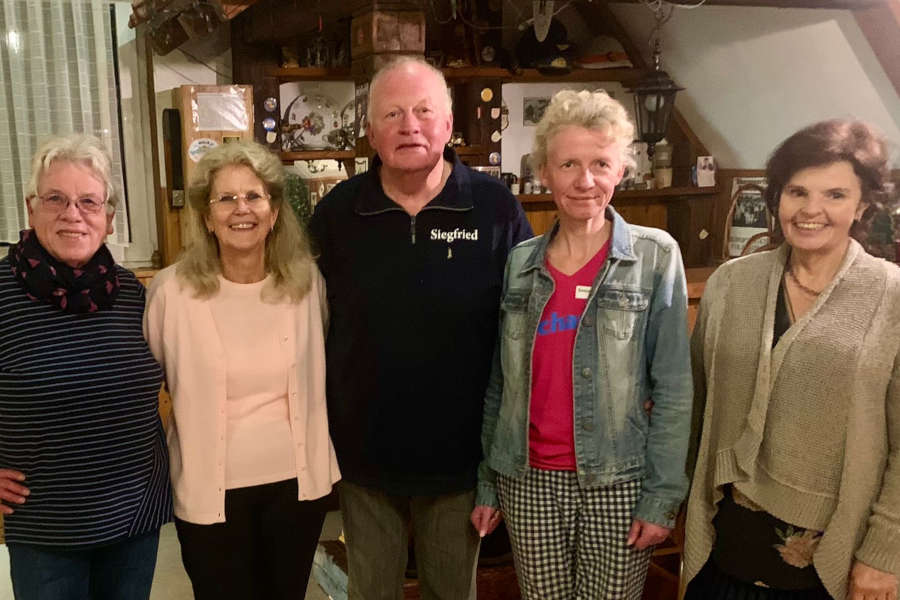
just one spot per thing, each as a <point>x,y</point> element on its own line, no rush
<point>569,543</point>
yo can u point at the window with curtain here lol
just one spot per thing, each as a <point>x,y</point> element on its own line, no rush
<point>57,68</point>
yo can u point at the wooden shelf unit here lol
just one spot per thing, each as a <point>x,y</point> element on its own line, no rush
<point>661,195</point>
<point>535,76</point>
<point>309,74</point>
<point>290,157</point>
<point>452,75</point>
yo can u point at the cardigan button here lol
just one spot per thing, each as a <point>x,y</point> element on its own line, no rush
<point>587,321</point>
<point>586,372</point>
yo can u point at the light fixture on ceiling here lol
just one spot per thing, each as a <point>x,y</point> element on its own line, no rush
<point>654,95</point>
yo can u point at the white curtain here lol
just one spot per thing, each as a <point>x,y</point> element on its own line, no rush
<point>56,76</point>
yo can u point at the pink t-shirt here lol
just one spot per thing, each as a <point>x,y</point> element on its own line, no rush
<point>551,440</point>
<point>259,445</point>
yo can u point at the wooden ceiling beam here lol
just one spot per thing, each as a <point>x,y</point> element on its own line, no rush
<point>881,26</point>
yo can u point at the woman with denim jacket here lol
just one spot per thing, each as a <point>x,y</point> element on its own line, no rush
<point>593,324</point>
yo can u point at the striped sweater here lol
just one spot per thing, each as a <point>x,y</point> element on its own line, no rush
<point>78,415</point>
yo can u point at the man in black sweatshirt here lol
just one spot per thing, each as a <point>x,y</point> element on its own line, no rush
<point>413,253</point>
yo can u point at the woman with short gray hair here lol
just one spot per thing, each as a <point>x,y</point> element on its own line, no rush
<point>84,472</point>
<point>592,324</point>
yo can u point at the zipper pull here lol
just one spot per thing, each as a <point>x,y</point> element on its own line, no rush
<point>412,230</point>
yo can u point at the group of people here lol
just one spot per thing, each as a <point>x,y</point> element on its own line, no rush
<point>446,370</point>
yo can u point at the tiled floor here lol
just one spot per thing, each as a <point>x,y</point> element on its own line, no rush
<point>170,581</point>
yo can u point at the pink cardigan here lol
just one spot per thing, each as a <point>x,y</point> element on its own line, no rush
<point>182,336</point>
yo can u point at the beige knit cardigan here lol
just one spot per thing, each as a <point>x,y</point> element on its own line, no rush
<point>810,429</point>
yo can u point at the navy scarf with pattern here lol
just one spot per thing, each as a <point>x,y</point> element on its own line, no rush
<point>89,288</point>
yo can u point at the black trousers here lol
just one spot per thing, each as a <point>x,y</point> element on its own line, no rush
<point>264,549</point>
<point>713,584</point>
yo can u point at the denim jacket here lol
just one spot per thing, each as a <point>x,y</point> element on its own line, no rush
<point>631,346</point>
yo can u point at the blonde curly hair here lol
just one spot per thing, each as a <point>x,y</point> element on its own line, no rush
<point>591,110</point>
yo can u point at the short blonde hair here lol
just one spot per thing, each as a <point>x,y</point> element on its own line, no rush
<point>287,256</point>
<point>74,148</point>
<point>401,61</point>
<point>591,110</point>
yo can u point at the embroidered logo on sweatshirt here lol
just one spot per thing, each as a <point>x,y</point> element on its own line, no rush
<point>470,235</point>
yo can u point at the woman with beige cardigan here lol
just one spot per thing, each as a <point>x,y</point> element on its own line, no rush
<point>796,355</point>
<point>237,325</point>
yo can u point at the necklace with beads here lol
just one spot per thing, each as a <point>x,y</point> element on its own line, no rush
<point>808,290</point>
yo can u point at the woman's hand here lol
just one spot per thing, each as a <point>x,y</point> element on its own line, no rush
<point>10,490</point>
<point>485,519</point>
<point>644,534</point>
<point>868,583</point>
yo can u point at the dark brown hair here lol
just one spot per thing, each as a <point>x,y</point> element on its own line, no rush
<point>829,142</point>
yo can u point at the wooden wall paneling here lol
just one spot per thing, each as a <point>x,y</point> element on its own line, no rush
<point>251,65</point>
<point>541,215</point>
<point>649,214</point>
<point>689,220</point>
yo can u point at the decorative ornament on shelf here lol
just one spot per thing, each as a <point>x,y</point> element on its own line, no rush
<point>654,95</point>
<point>311,123</point>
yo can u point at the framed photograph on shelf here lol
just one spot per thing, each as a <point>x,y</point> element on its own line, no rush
<point>533,109</point>
<point>748,216</point>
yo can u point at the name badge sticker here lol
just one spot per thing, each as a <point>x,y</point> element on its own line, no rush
<point>582,292</point>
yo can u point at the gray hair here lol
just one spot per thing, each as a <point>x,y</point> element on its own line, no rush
<point>74,148</point>
<point>401,61</point>
<point>591,110</point>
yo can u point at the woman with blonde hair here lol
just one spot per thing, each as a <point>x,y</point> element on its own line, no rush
<point>592,324</point>
<point>237,325</point>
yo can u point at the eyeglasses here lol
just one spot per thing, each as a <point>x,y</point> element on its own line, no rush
<point>57,203</point>
<point>229,201</point>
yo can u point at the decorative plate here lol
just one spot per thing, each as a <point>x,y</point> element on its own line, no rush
<point>311,118</point>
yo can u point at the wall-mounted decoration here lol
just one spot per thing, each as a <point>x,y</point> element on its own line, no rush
<point>360,164</point>
<point>317,116</point>
<point>748,217</point>
<point>199,147</point>
<point>533,109</point>
<point>309,118</point>
<point>706,171</point>
<point>289,57</point>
